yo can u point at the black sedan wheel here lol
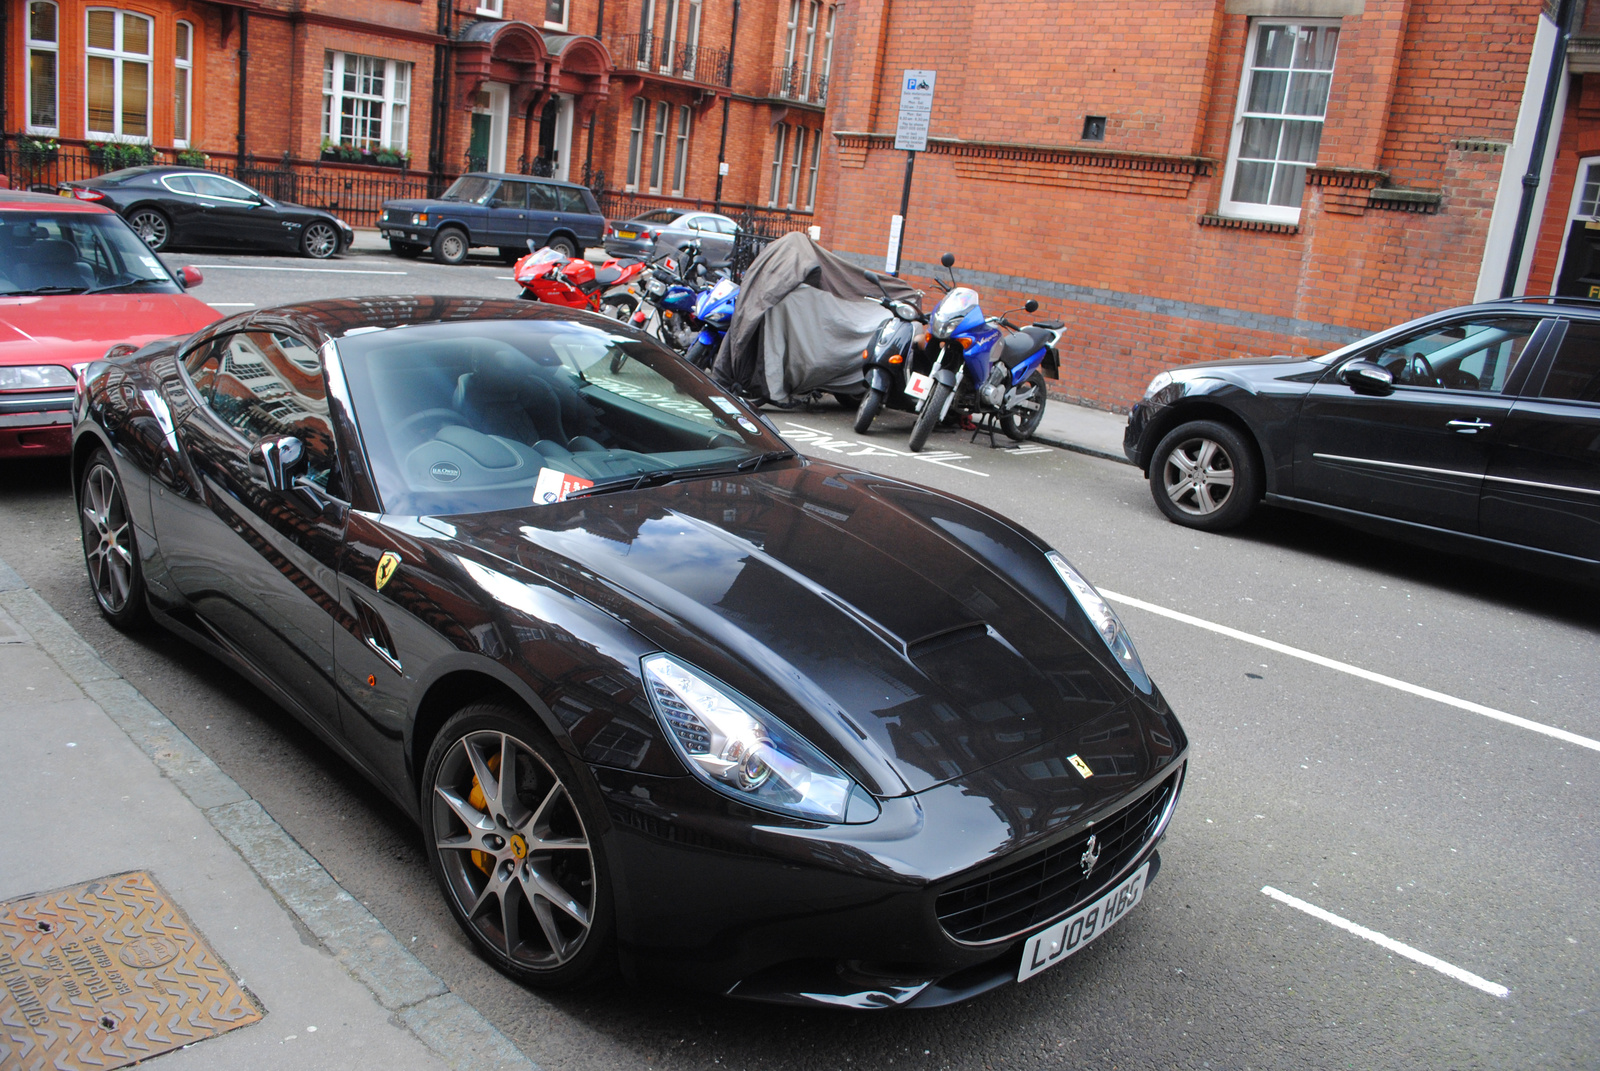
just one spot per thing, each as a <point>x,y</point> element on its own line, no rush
<point>108,546</point>
<point>1204,475</point>
<point>319,240</point>
<point>151,225</point>
<point>510,842</point>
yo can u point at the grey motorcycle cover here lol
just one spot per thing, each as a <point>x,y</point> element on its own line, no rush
<point>802,319</point>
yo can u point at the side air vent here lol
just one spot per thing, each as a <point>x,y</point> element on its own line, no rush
<point>938,641</point>
<point>376,633</point>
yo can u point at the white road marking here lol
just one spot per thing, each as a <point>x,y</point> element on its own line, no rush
<point>1415,955</point>
<point>823,440</point>
<point>1357,671</point>
<point>327,271</point>
<point>232,304</point>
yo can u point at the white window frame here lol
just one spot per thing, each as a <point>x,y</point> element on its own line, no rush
<point>1250,209</point>
<point>119,60</point>
<point>810,50</point>
<point>811,183</point>
<point>691,40</point>
<point>658,144</point>
<point>777,164</point>
<point>826,69</point>
<point>566,13</point>
<point>797,163</point>
<point>490,8</point>
<point>39,45</point>
<point>794,26</point>
<point>669,40</point>
<point>183,75</point>
<point>646,49</point>
<point>636,142</point>
<point>680,158</point>
<point>394,103</point>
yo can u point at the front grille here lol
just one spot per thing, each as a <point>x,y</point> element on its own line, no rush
<point>1046,884</point>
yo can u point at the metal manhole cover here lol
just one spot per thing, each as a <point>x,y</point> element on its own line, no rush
<point>106,974</point>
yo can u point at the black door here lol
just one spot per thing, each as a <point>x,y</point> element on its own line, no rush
<point>257,565</point>
<point>1543,483</point>
<point>1418,454</point>
<point>235,215</point>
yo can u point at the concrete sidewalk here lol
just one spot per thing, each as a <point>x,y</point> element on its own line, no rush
<point>99,782</point>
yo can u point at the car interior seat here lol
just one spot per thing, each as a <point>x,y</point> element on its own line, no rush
<point>507,394</point>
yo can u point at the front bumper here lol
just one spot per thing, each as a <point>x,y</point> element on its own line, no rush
<point>837,916</point>
<point>36,424</point>
<point>1133,434</point>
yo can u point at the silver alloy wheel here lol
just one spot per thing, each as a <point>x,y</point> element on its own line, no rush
<point>1198,476</point>
<point>320,241</point>
<point>453,247</point>
<point>106,540</point>
<point>513,849</point>
<point>151,226</point>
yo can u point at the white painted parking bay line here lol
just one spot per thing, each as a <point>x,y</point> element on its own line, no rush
<point>1357,671</point>
<point>232,304</point>
<point>328,271</point>
<point>1415,955</point>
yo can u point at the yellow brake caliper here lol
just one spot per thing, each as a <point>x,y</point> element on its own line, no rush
<point>483,860</point>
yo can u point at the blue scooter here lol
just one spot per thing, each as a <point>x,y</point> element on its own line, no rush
<point>977,371</point>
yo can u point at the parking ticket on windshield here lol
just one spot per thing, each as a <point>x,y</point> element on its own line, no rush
<point>555,485</point>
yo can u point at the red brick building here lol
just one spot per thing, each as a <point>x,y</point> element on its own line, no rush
<point>1184,180</point>
<point>649,94</point>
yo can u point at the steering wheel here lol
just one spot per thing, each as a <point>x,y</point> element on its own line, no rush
<point>402,429</point>
<point>1431,377</point>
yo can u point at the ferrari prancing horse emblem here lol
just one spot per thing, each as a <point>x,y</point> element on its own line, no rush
<point>1090,857</point>
<point>386,567</point>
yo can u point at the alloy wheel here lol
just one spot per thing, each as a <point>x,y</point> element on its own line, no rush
<point>1198,476</point>
<point>151,227</point>
<point>514,851</point>
<point>320,241</point>
<point>107,540</point>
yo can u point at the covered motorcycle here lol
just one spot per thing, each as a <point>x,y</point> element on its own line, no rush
<point>804,316</point>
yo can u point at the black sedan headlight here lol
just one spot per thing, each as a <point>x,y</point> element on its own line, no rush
<point>1105,621</point>
<point>744,752</point>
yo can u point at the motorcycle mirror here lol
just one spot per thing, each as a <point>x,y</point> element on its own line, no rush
<point>1030,305</point>
<point>948,260</point>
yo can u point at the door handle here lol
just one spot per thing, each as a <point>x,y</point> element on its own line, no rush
<point>1470,427</point>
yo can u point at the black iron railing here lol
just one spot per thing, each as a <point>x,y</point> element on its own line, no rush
<point>675,59</point>
<point>796,83</point>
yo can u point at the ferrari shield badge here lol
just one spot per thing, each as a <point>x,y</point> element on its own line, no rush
<point>386,567</point>
<point>1077,763</point>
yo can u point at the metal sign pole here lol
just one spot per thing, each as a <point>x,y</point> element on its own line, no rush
<point>911,134</point>
<point>905,205</point>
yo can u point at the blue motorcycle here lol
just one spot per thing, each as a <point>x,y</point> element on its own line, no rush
<point>714,310</point>
<point>977,371</point>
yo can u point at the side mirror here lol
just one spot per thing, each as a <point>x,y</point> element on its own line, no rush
<point>190,277</point>
<point>1030,305</point>
<point>495,202</point>
<point>948,260</point>
<point>281,457</point>
<point>1365,377</point>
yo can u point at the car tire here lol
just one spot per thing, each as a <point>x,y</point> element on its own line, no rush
<point>564,245</point>
<point>319,239</point>
<point>110,552</point>
<point>867,411</point>
<point>153,226</point>
<point>409,250</point>
<point>1023,429</point>
<point>450,246</point>
<point>540,910</point>
<point>1205,475</point>
<point>929,417</point>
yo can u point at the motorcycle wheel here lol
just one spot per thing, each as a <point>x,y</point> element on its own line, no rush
<point>871,402</point>
<point>1020,424</point>
<point>618,359</point>
<point>700,355</point>
<point>928,417</point>
<point>622,307</point>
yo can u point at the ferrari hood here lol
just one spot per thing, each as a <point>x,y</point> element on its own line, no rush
<point>909,626</point>
<point>67,329</point>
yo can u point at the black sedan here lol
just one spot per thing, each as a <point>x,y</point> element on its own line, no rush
<point>1471,430</point>
<point>172,207</point>
<point>659,693</point>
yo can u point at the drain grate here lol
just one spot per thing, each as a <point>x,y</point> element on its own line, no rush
<point>106,974</point>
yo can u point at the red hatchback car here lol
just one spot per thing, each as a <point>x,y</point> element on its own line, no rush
<point>74,281</point>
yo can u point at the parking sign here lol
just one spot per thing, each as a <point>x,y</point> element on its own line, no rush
<point>916,106</point>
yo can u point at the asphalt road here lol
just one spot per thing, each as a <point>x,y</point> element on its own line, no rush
<point>1459,834</point>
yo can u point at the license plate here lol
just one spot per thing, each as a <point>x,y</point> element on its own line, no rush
<point>919,385</point>
<point>1048,947</point>
<point>627,234</point>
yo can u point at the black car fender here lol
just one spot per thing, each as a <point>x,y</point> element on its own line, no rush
<point>1222,400</point>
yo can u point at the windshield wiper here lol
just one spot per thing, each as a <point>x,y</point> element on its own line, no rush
<point>38,290</point>
<point>125,283</point>
<point>750,464</point>
<point>653,478</point>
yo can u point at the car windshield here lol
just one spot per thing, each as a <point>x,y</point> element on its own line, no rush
<point>76,253</point>
<point>474,189</point>
<point>467,417</point>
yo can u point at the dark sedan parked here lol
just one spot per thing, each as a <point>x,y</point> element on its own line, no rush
<point>1471,430</point>
<point>505,211</point>
<point>663,229</point>
<point>657,690</point>
<point>171,207</point>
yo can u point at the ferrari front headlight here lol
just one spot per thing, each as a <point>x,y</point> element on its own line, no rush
<point>1105,621</point>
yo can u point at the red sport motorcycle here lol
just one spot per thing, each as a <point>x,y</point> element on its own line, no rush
<point>551,276</point>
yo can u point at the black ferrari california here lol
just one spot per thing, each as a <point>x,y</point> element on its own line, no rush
<point>662,695</point>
